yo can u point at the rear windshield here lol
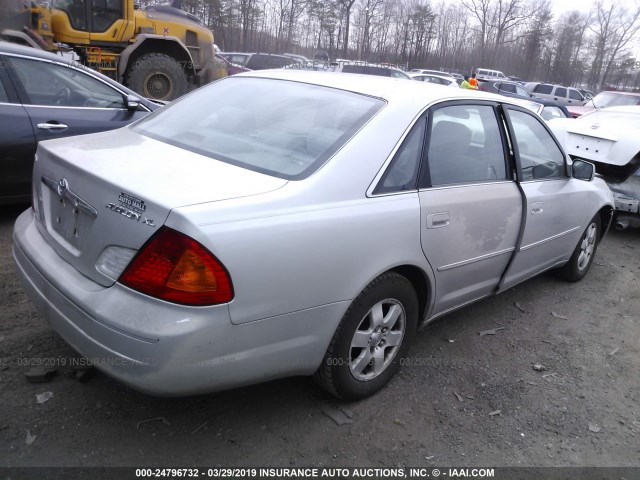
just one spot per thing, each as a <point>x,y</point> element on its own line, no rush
<point>613,99</point>
<point>281,128</point>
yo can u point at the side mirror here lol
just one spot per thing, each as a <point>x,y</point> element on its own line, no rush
<point>583,170</point>
<point>133,102</point>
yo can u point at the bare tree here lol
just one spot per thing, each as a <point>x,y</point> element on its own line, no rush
<point>613,30</point>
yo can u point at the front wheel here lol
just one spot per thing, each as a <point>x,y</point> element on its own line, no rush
<point>157,76</point>
<point>578,265</point>
<point>374,334</point>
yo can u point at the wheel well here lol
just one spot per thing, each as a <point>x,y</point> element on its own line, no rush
<point>606,215</point>
<point>168,47</point>
<point>420,284</point>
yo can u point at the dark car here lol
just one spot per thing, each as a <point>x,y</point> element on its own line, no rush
<point>45,96</point>
<point>374,70</point>
<point>552,109</point>
<point>566,95</point>
<point>259,61</point>
<point>503,87</point>
<point>232,68</point>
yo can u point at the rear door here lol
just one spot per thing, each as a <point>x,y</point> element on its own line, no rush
<point>17,143</point>
<point>560,95</point>
<point>471,207</point>
<point>62,101</point>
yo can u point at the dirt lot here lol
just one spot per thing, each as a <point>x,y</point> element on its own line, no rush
<point>584,409</point>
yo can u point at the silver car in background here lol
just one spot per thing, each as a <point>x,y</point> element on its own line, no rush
<point>296,223</point>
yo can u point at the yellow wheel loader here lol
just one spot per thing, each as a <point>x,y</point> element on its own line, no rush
<point>160,52</point>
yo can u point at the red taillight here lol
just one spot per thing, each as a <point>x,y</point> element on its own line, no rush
<point>174,267</point>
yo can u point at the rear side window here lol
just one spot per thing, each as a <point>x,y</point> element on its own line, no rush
<point>277,127</point>
<point>561,92</point>
<point>402,173</point>
<point>507,87</point>
<point>543,88</point>
<point>550,112</point>
<point>465,146</point>
<point>540,157</point>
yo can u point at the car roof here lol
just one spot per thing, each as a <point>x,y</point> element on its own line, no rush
<point>499,80</point>
<point>418,74</point>
<point>385,88</point>
<point>8,47</point>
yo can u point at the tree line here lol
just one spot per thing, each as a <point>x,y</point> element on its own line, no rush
<point>518,37</point>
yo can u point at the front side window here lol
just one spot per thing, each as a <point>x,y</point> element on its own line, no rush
<point>465,145</point>
<point>75,10</point>
<point>540,156</point>
<point>508,87</point>
<point>575,95</point>
<point>277,127</point>
<point>104,13</point>
<point>50,84</point>
<point>522,91</point>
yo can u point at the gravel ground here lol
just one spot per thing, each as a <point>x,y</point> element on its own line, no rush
<point>460,399</point>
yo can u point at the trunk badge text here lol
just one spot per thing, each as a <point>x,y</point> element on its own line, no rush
<point>131,207</point>
<point>61,188</point>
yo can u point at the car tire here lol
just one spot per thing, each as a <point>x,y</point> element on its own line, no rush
<point>371,339</point>
<point>582,258</point>
<point>157,76</point>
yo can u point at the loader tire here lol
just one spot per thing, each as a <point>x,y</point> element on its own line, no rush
<point>157,76</point>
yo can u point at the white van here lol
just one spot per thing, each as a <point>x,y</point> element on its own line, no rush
<point>486,74</point>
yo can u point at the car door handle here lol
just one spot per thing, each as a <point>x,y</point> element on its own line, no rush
<point>536,208</point>
<point>52,126</point>
<point>438,220</point>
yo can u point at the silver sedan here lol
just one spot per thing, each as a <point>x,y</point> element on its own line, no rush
<point>296,223</point>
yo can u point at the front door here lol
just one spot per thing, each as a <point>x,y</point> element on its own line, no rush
<point>62,101</point>
<point>17,144</point>
<point>554,201</point>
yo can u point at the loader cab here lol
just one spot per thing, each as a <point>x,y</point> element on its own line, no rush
<point>91,15</point>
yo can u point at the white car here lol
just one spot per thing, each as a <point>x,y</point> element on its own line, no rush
<point>287,222</point>
<point>435,79</point>
<point>610,139</point>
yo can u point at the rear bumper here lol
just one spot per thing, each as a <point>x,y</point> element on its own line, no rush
<point>161,348</point>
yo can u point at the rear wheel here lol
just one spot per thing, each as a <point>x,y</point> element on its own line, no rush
<point>157,76</point>
<point>578,265</point>
<point>374,334</point>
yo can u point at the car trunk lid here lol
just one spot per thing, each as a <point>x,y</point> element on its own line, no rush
<point>115,189</point>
